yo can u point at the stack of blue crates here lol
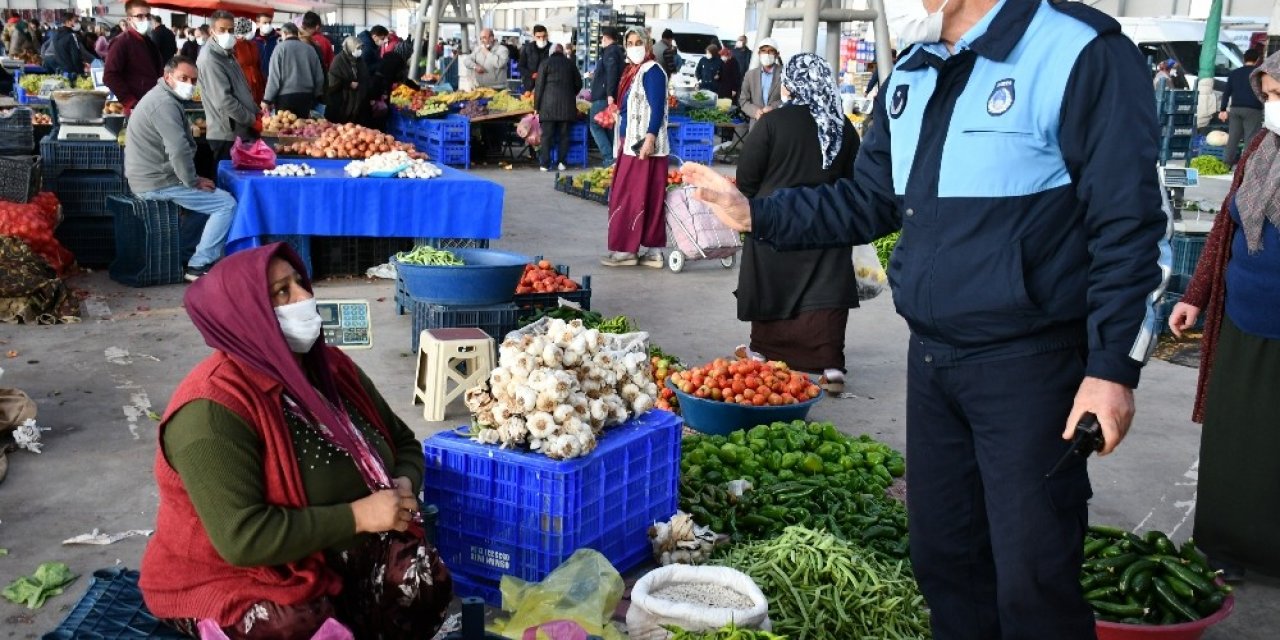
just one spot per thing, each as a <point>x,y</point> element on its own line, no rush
<point>577,154</point>
<point>84,174</point>
<point>1177,110</point>
<point>692,141</point>
<point>446,140</point>
<point>148,241</point>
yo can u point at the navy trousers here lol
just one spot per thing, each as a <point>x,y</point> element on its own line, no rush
<point>996,546</point>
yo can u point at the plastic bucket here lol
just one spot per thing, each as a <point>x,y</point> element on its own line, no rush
<point>487,276</point>
<point>722,418</point>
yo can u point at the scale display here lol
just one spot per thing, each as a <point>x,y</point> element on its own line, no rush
<point>346,323</point>
<point>1173,177</point>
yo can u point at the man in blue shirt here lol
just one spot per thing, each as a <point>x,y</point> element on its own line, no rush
<point>762,86</point>
<point>1241,109</point>
<point>1015,148</point>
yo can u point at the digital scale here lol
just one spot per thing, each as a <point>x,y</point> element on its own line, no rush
<point>96,129</point>
<point>346,323</point>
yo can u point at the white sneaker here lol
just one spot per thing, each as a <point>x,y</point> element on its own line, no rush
<point>543,169</point>
<point>560,167</point>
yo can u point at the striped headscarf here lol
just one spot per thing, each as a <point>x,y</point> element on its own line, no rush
<point>809,80</point>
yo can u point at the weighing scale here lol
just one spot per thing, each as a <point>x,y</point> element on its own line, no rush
<point>91,129</point>
<point>346,323</point>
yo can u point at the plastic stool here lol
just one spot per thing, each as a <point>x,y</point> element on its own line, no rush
<point>462,357</point>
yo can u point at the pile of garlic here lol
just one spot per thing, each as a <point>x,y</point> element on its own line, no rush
<point>556,389</point>
<point>378,162</point>
<point>682,541</point>
<point>291,170</point>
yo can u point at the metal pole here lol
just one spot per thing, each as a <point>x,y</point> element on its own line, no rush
<point>884,50</point>
<point>833,47</point>
<point>764,27</point>
<point>809,34</point>
<point>461,12</point>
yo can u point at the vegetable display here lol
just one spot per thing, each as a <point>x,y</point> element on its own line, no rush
<point>558,387</point>
<point>730,632</point>
<point>663,366</point>
<point>505,102</point>
<point>542,277</point>
<point>746,382</point>
<point>348,141</point>
<point>419,101</point>
<point>1147,579</point>
<point>589,319</point>
<point>428,256</point>
<point>291,170</point>
<point>799,473</point>
<point>822,587</point>
<point>1209,166</point>
<point>681,540</point>
<point>399,162</point>
<point>598,180</point>
<point>285,123</point>
<point>884,248</point>
<point>710,115</point>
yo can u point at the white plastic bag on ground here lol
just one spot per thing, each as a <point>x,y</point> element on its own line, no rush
<point>870,275</point>
<point>649,614</point>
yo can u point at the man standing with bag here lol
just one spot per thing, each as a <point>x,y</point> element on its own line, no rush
<point>604,89</point>
<point>1015,149</point>
<point>230,110</point>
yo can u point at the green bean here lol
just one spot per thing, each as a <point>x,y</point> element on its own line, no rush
<point>425,255</point>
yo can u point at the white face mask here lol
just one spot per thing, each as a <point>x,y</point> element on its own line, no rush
<point>635,54</point>
<point>710,55</point>
<point>1271,115</point>
<point>357,53</point>
<point>142,26</point>
<point>226,41</point>
<point>911,22</point>
<point>300,323</point>
<point>200,41</point>
<point>184,90</point>
<point>266,29</point>
<point>75,27</point>
<point>767,59</point>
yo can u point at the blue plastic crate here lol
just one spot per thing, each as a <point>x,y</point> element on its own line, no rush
<point>1177,143</point>
<point>578,132</point>
<point>703,153</point>
<point>465,586</point>
<point>530,302</point>
<point>301,245</point>
<point>453,128</point>
<point>90,239</point>
<point>577,155</point>
<point>1187,248</point>
<point>694,133</point>
<point>1177,102</point>
<point>148,242</point>
<point>69,155</point>
<point>1212,151</point>
<point>112,609</point>
<point>450,153</point>
<point>508,512</point>
<point>497,320</point>
<point>1178,283</point>
<point>83,194</point>
<point>16,132</point>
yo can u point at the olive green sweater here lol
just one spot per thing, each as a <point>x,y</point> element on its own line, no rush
<point>219,458</point>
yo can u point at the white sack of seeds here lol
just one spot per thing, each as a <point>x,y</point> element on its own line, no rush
<point>695,598</point>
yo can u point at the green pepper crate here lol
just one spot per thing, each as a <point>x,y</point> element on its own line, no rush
<point>508,512</point>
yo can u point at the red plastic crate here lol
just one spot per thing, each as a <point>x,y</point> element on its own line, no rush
<point>506,512</point>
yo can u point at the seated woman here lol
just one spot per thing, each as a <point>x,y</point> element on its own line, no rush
<point>287,485</point>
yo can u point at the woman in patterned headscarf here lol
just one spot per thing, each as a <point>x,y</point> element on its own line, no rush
<point>798,301</point>
<point>1237,284</point>
<point>248,58</point>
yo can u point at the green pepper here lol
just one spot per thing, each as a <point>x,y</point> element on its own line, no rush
<point>786,474</point>
<point>811,463</point>
<point>847,463</point>
<point>875,457</point>
<point>760,432</point>
<point>790,459</point>
<point>759,445</point>
<point>713,477</point>
<point>750,468</point>
<point>697,456</point>
<point>695,471</point>
<point>814,428</point>
<point>828,451</point>
<point>779,444</point>
<point>728,453</point>
<point>830,433</point>
<point>859,460</point>
<point>830,468</point>
<point>897,466</point>
<point>773,461</point>
<point>738,437</point>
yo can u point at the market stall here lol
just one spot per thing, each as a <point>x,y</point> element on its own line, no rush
<point>330,203</point>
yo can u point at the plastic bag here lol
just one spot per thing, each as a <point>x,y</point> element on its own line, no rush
<point>584,589</point>
<point>34,223</point>
<point>252,155</point>
<point>698,232</point>
<point>608,118</point>
<point>330,630</point>
<point>530,128</point>
<point>868,272</point>
<point>648,614</point>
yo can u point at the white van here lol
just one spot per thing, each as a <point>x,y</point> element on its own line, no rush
<point>1181,39</point>
<point>691,39</point>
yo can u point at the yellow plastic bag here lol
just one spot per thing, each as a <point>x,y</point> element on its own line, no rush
<point>585,589</point>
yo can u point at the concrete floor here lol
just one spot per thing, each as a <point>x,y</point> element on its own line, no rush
<point>95,471</point>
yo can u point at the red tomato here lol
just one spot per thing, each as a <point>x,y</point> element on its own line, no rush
<point>758,400</point>
<point>775,399</point>
<point>738,386</point>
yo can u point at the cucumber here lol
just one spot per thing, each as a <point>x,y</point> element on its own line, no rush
<point>1095,580</point>
<point>1137,545</point>
<point>1141,583</point>
<point>1192,554</point>
<point>1210,605</point>
<point>1179,587</point>
<point>1092,547</point>
<point>1116,562</point>
<point>1112,550</point>
<point>1132,571</point>
<point>1106,532</point>
<point>1115,609</point>
<point>1102,593</point>
<point>1188,575</point>
<point>1170,601</point>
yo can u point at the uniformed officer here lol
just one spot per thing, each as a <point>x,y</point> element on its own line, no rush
<point>1016,151</point>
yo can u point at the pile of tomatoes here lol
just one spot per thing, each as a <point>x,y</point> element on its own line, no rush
<point>542,277</point>
<point>662,368</point>
<point>746,382</point>
<point>33,223</point>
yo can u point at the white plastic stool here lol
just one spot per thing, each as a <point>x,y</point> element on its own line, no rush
<point>450,361</point>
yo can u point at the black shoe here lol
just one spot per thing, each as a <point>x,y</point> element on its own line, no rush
<point>193,273</point>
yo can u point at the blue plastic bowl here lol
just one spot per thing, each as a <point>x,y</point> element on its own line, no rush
<point>722,418</point>
<point>487,276</point>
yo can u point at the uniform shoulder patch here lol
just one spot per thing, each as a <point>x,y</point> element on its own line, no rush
<point>1099,21</point>
<point>898,103</point>
<point>1001,98</point>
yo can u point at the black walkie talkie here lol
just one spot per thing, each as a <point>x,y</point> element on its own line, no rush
<point>1088,439</point>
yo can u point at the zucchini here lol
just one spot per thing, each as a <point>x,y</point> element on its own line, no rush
<point>1132,571</point>
<point>1115,609</point>
<point>1171,602</point>
<point>1188,575</point>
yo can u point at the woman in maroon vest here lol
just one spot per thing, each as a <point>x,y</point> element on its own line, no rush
<point>287,485</point>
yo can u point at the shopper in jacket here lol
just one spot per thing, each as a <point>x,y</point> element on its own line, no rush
<point>371,47</point>
<point>762,86</point>
<point>488,63</point>
<point>798,301</point>
<point>1027,271</point>
<point>287,484</point>
<point>229,107</point>
<point>266,38</point>
<point>159,161</point>
<point>295,80</point>
<point>604,87</point>
<point>20,41</point>
<point>246,55</point>
<point>1237,287</point>
<point>742,55</point>
<point>166,42</point>
<point>532,55</point>
<point>133,62</point>
<point>709,68</point>
<point>395,66</point>
<point>347,91</point>
<point>313,32</point>
<point>730,77</point>
<point>192,47</point>
<point>666,53</point>
<point>103,43</point>
<point>66,46</point>
<point>637,202</point>
<point>1241,109</point>
<point>555,97</point>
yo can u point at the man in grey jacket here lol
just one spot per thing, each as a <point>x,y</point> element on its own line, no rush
<point>489,62</point>
<point>228,103</point>
<point>762,86</point>
<point>295,79</point>
<point>159,162</point>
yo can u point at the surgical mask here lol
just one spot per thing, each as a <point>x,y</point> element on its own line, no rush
<point>357,53</point>
<point>142,26</point>
<point>226,41</point>
<point>635,55</point>
<point>1271,115</point>
<point>767,59</point>
<point>200,41</point>
<point>913,23</point>
<point>75,27</point>
<point>710,56</point>
<point>300,323</point>
<point>184,90</point>
<point>266,29</point>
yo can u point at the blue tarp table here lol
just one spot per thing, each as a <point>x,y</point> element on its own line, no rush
<point>453,205</point>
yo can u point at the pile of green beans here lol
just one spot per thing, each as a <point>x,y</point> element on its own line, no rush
<point>426,256</point>
<point>819,586</point>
